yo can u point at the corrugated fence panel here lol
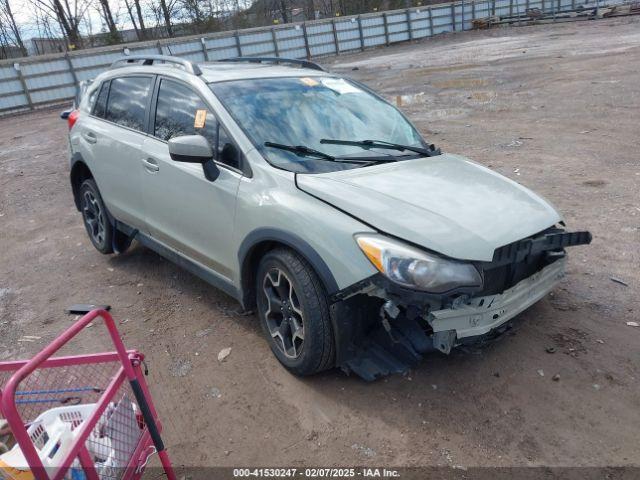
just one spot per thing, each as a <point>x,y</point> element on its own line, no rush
<point>12,96</point>
<point>53,94</point>
<point>186,47</point>
<point>459,17</point>
<point>420,23</point>
<point>321,41</point>
<point>397,27</point>
<point>146,50</point>
<point>98,60</point>
<point>482,10</point>
<point>13,102</point>
<point>32,68</point>
<point>502,7</point>
<point>7,72</point>
<point>348,35</point>
<point>373,31</point>
<point>194,57</point>
<point>291,42</point>
<point>11,86</point>
<point>441,18</point>
<point>89,73</point>
<point>219,48</point>
<point>257,44</point>
<point>192,50</point>
<point>49,81</point>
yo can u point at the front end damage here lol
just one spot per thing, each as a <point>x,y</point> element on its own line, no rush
<point>382,328</point>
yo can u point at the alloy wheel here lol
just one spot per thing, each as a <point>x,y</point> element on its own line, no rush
<point>284,316</point>
<point>94,217</point>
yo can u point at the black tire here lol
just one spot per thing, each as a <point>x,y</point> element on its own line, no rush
<point>309,308</point>
<point>95,218</point>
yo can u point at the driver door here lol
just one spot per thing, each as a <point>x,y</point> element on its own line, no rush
<point>184,210</point>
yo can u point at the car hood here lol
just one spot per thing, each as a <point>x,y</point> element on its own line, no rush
<point>447,204</point>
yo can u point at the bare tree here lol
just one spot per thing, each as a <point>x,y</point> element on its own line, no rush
<point>192,11</point>
<point>143,31</point>
<point>166,8</point>
<point>68,14</point>
<point>309,10</point>
<point>105,12</point>
<point>133,19</point>
<point>283,8</point>
<point>10,29</point>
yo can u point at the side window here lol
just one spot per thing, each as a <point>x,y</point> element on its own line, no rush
<point>180,111</point>
<point>100,107</point>
<point>91,101</point>
<point>128,101</point>
<point>227,151</point>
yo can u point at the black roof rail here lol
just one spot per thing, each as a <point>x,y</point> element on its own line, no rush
<point>187,65</point>
<point>278,60</point>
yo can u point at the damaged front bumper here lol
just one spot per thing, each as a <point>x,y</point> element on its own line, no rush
<point>398,339</point>
<point>480,315</point>
<point>382,327</point>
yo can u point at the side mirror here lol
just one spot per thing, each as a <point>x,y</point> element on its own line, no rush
<point>190,149</point>
<point>194,149</point>
<point>65,114</point>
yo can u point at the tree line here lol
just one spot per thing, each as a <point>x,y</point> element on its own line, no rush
<point>61,25</point>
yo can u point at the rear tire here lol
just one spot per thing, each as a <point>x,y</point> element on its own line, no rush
<point>94,215</point>
<point>294,313</point>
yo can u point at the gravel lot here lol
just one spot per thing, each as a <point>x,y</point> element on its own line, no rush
<point>556,108</point>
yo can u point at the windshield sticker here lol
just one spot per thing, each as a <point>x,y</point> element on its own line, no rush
<point>340,85</point>
<point>201,118</point>
<point>309,82</point>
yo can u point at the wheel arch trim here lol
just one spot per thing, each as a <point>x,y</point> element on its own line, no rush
<point>77,162</point>
<point>262,236</point>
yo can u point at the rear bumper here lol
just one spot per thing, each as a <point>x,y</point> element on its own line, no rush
<point>482,314</point>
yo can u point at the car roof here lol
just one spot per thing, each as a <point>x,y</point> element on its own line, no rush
<point>221,71</point>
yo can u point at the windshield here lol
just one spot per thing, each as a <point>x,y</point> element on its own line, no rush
<point>302,111</point>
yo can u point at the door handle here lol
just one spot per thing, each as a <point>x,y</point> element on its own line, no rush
<point>90,137</point>
<point>150,164</point>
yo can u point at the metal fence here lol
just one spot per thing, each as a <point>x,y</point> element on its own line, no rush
<point>41,81</point>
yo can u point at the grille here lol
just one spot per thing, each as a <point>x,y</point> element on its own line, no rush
<point>498,279</point>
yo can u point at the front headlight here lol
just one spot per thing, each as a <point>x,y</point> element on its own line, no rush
<point>414,268</point>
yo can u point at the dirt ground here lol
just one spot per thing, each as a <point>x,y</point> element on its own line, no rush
<point>556,108</point>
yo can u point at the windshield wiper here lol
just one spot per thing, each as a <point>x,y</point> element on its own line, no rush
<point>367,144</point>
<point>310,152</point>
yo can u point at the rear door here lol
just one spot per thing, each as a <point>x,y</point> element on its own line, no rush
<point>114,134</point>
<point>184,210</point>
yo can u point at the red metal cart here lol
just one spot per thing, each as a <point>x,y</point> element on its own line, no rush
<point>80,417</point>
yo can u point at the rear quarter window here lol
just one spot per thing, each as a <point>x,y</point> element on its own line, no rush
<point>100,106</point>
<point>127,101</point>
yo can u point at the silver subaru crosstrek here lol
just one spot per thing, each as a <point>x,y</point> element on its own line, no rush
<point>310,199</point>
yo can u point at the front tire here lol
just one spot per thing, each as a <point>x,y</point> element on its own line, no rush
<point>294,313</point>
<point>94,215</point>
